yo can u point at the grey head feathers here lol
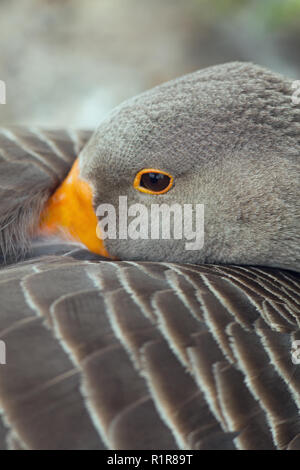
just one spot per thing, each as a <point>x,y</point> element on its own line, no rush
<point>230,136</point>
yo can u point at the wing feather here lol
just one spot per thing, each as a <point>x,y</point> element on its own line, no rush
<point>33,163</point>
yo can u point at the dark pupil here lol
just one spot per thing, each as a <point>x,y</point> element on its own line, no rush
<point>155,181</point>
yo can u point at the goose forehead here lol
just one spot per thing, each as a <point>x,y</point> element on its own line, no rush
<point>202,116</point>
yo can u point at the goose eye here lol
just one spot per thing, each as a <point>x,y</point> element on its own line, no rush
<point>153,181</point>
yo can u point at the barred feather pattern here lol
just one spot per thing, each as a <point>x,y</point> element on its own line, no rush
<point>125,355</point>
<point>33,162</point>
<point>134,355</point>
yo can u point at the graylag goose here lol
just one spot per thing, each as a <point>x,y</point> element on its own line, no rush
<point>140,343</point>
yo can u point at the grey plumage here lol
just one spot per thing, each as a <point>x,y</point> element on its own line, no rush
<point>148,355</point>
<point>107,354</point>
<point>230,136</point>
<point>33,163</point>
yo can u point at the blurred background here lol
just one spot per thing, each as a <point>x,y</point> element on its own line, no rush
<point>68,62</point>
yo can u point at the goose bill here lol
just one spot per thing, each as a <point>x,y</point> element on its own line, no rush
<point>69,213</point>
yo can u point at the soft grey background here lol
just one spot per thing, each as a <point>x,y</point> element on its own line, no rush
<point>68,62</point>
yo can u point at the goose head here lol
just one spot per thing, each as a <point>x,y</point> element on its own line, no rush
<point>226,139</point>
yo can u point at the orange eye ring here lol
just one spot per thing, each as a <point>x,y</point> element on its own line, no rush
<point>138,181</point>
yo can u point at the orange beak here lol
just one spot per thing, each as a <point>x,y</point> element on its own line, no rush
<point>69,213</point>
